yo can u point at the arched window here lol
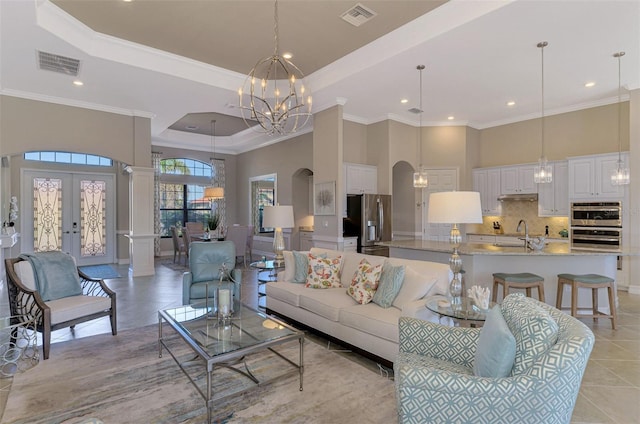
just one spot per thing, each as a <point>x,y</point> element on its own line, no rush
<point>182,184</point>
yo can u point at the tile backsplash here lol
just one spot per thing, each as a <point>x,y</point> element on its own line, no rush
<point>513,212</point>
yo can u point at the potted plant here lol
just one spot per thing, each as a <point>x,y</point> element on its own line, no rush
<point>213,222</point>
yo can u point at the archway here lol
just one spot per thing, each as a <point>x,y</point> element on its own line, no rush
<point>302,202</point>
<point>406,203</point>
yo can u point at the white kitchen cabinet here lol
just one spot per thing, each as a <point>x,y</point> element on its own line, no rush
<point>350,244</point>
<point>518,180</point>
<point>306,240</point>
<point>590,177</point>
<point>360,178</point>
<point>486,181</point>
<point>553,198</point>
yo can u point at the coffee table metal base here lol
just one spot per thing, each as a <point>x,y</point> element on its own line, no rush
<point>228,360</point>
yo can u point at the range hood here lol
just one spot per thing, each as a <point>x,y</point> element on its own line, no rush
<point>530,197</point>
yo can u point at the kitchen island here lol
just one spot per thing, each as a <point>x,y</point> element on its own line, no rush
<point>480,261</point>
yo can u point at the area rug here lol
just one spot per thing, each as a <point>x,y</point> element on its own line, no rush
<point>104,272</point>
<point>176,266</point>
<point>118,379</point>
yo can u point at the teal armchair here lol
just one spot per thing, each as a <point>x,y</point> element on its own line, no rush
<point>207,262</point>
<point>435,382</point>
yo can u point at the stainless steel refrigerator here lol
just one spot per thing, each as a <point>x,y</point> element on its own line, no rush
<point>369,218</point>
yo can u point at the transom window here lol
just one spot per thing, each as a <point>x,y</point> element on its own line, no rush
<point>68,157</point>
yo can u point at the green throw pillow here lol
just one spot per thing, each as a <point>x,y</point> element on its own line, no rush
<point>496,350</point>
<point>390,283</point>
<point>301,261</point>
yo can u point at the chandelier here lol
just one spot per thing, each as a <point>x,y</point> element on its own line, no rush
<point>620,175</point>
<point>543,171</point>
<point>213,192</point>
<point>274,95</point>
<point>420,179</point>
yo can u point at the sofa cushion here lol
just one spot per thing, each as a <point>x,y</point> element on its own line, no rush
<point>533,328</point>
<point>496,347</point>
<point>323,273</point>
<point>373,320</point>
<point>286,292</point>
<point>326,303</point>
<point>391,280</point>
<point>365,282</point>
<point>414,287</point>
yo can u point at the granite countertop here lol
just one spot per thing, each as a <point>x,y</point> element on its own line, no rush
<point>551,249</point>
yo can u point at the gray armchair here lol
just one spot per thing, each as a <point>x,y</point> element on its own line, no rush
<point>435,382</point>
<point>94,300</point>
<point>206,261</point>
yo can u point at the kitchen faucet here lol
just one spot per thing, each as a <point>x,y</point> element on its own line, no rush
<point>526,231</point>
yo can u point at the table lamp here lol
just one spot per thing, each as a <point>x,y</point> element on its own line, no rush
<point>455,207</point>
<point>278,217</point>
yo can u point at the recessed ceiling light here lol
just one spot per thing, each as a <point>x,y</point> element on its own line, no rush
<point>590,84</point>
<point>511,103</point>
<point>403,101</point>
<point>78,83</point>
<point>287,55</point>
<point>451,118</point>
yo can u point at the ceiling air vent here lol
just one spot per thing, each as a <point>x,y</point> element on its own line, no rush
<point>56,63</point>
<point>358,15</point>
<point>415,110</point>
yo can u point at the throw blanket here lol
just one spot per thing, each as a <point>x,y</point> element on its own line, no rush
<point>55,274</point>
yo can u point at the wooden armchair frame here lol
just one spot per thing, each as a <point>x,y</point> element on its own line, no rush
<point>27,302</point>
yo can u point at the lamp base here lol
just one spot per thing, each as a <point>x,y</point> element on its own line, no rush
<point>278,247</point>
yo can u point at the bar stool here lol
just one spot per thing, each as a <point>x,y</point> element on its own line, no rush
<point>522,280</point>
<point>593,282</point>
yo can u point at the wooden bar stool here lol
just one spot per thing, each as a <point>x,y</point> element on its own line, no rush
<point>523,280</point>
<point>593,282</point>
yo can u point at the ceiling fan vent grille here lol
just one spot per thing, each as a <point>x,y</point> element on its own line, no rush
<point>358,15</point>
<point>415,110</point>
<point>56,63</point>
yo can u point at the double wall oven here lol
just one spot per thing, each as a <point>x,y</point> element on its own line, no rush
<point>596,225</point>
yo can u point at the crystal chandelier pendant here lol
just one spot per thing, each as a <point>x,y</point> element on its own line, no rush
<point>420,179</point>
<point>543,172</point>
<point>620,175</point>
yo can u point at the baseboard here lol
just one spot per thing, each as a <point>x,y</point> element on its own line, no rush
<point>332,339</point>
<point>634,289</point>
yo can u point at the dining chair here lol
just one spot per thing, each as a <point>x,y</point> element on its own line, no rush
<point>178,246</point>
<point>194,227</point>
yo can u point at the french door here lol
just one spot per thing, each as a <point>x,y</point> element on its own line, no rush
<point>439,180</point>
<point>71,212</point>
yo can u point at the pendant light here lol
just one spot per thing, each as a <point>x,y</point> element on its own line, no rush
<point>543,172</point>
<point>420,179</point>
<point>213,192</point>
<point>620,175</point>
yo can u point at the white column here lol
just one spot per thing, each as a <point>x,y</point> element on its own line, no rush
<point>634,190</point>
<point>141,221</point>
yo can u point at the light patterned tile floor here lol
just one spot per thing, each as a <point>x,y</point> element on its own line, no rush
<point>610,391</point>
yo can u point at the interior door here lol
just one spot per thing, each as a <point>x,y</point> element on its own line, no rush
<point>439,180</point>
<point>71,212</point>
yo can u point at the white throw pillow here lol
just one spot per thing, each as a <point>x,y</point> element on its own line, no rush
<point>289,266</point>
<point>414,287</point>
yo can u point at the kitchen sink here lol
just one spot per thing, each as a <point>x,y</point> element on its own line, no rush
<point>521,244</point>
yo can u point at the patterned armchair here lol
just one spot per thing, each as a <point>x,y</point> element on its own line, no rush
<point>435,382</point>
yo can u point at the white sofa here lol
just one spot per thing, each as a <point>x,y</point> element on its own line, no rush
<point>368,328</point>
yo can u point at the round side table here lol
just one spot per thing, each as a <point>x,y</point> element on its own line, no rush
<point>18,345</point>
<point>467,314</point>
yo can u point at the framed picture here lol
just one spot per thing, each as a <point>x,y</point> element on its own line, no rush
<point>324,198</point>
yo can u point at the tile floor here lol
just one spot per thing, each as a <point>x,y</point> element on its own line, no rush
<point>610,391</point>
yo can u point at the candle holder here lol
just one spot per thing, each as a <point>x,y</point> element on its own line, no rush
<point>225,305</point>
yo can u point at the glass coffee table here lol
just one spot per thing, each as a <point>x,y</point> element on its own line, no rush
<point>466,314</point>
<point>217,344</point>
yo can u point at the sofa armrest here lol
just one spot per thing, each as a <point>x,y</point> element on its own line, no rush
<point>430,339</point>
<point>417,309</point>
<point>186,287</point>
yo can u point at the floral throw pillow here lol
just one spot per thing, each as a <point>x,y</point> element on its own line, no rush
<point>323,273</point>
<point>365,282</point>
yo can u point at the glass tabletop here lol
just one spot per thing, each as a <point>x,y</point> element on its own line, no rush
<point>271,265</point>
<point>247,328</point>
<point>467,310</point>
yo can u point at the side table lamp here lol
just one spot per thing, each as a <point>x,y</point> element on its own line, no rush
<point>278,217</point>
<point>455,207</point>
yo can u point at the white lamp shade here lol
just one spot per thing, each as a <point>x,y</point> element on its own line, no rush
<point>454,207</point>
<point>213,192</point>
<point>278,216</point>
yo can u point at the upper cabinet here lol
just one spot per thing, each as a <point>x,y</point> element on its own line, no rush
<point>518,180</point>
<point>360,179</point>
<point>487,182</point>
<point>590,177</point>
<point>553,198</point>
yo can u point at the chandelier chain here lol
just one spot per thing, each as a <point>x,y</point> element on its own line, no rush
<point>275,29</point>
<point>542,45</point>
